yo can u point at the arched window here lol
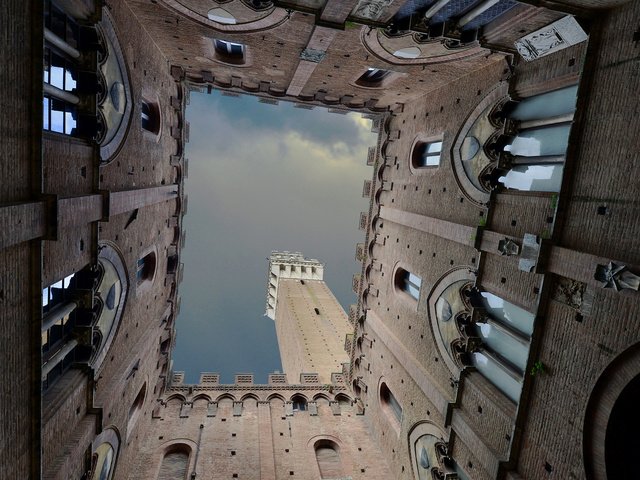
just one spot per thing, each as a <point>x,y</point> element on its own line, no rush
<point>328,458</point>
<point>426,154</point>
<point>105,452</point>
<point>432,459</point>
<point>390,406</point>
<point>110,295</point>
<point>408,283</point>
<point>517,145</point>
<point>175,463</point>
<point>150,116</point>
<point>136,409</point>
<point>229,52</point>
<point>373,78</point>
<point>299,403</point>
<point>479,329</point>
<point>102,463</point>
<point>146,268</point>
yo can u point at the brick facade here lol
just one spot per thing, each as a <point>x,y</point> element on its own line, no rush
<point>62,208</point>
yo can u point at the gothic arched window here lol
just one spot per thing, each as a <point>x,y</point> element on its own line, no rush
<point>517,145</point>
<point>479,329</point>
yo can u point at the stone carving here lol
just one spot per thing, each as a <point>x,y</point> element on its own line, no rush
<point>371,9</point>
<point>557,36</point>
<point>617,276</point>
<point>311,55</point>
<point>508,247</point>
<point>530,253</point>
<point>570,292</point>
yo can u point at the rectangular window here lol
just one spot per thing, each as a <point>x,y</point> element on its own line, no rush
<point>430,155</point>
<point>411,284</point>
<point>58,116</point>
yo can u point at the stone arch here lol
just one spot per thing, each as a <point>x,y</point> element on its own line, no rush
<point>113,262</point>
<point>328,458</point>
<point>202,396</point>
<point>432,51</point>
<point>250,396</point>
<point>176,445</point>
<point>433,441</point>
<point>176,396</point>
<point>226,396</point>
<point>472,191</point>
<point>104,453</point>
<point>607,403</point>
<point>276,396</point>
<point>321,396</point>
<point>255,21</point>
<point>298,394</point>
<point>458,274</point>
<point>115,105</point>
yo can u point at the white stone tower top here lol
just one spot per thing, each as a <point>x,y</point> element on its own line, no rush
<point>289,265</point>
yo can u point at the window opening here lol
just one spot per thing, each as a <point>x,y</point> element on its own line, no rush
<point>102,464</point>
<point>145,268</point>
<point>427,154</point>
<point>390,405</point>
<point>136,408</point>
<point>229,52</point>
<point>409,283</point>
<point>299,404</point>
<point>150,116</point>
<point>60,72</point>
<point>373,77</point>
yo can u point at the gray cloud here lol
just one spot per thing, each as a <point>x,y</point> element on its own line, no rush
<point>261,178</point>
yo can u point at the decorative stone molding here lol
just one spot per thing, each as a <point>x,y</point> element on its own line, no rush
<point>617,277</point>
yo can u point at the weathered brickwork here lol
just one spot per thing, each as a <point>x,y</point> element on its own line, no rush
<point>250,433</point>
<point>403,377</point>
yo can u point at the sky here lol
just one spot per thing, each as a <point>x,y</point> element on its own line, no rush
<point>262,178</point>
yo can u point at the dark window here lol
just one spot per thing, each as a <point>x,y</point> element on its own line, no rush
<point>60,74</point>
<point>229,52</point>
<point>299,404</point>
<point>150,116</point>
<point>373,77</point>
<point>426,154</point>
<point>146,267</point>
<point>408,283</point>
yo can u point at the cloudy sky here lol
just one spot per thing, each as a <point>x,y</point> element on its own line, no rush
<point>262,178</point>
